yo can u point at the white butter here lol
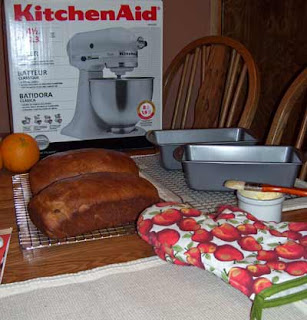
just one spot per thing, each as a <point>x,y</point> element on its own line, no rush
<point>260,195</point>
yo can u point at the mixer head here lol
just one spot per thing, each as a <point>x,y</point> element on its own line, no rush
<point>113,48</point>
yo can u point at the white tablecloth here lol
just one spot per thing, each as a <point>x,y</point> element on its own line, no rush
<point>145,289</point>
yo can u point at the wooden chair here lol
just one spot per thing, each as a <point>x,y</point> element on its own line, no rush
<point>293,95</point>
<point>212,82</point>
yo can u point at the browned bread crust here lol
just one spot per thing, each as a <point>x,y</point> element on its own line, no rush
<point>72,163</point>
<point>92,201</point>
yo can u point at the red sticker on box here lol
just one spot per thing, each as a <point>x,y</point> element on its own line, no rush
<point>146,110</point>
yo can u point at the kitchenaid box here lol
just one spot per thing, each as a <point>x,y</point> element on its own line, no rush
<point>85,73</point>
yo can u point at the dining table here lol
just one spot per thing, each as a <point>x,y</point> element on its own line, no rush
<point>74,257</point>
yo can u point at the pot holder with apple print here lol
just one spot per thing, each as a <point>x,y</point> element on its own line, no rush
<point>264,260</point>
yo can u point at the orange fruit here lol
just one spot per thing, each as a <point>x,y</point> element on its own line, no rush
<point>19,152</point>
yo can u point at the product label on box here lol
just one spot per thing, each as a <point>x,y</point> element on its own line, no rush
<point>85,70</point>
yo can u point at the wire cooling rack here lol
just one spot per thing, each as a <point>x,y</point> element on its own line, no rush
<point>170,184</point>
<point>173,181</point>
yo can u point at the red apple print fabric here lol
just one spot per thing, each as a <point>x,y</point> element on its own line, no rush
<point>247,253</point>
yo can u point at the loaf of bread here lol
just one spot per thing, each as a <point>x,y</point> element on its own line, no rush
<point>72,163</point>
<point>84,203</point>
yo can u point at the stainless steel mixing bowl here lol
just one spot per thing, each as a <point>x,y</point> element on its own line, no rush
<point>116,100</point>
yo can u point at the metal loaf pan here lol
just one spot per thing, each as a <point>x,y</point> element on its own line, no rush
<point>169,140</point>
<point>208,167</point>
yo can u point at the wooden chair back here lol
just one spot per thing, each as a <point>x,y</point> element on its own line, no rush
<point>212,82</point>
<point>287,106</point>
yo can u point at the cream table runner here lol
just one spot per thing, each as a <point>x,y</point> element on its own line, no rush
<point>145,289</point>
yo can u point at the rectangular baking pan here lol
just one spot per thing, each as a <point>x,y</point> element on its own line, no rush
<point>207,167</point>
<point>169,140</point>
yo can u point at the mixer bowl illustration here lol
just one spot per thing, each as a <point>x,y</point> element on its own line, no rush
<point>115,100</point>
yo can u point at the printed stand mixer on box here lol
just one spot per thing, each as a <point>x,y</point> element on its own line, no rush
<point>86,73</point>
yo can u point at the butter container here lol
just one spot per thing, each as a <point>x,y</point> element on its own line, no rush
<point>266,206</point>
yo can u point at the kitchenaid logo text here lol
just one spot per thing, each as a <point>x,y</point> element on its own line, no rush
<point>125,12</point>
